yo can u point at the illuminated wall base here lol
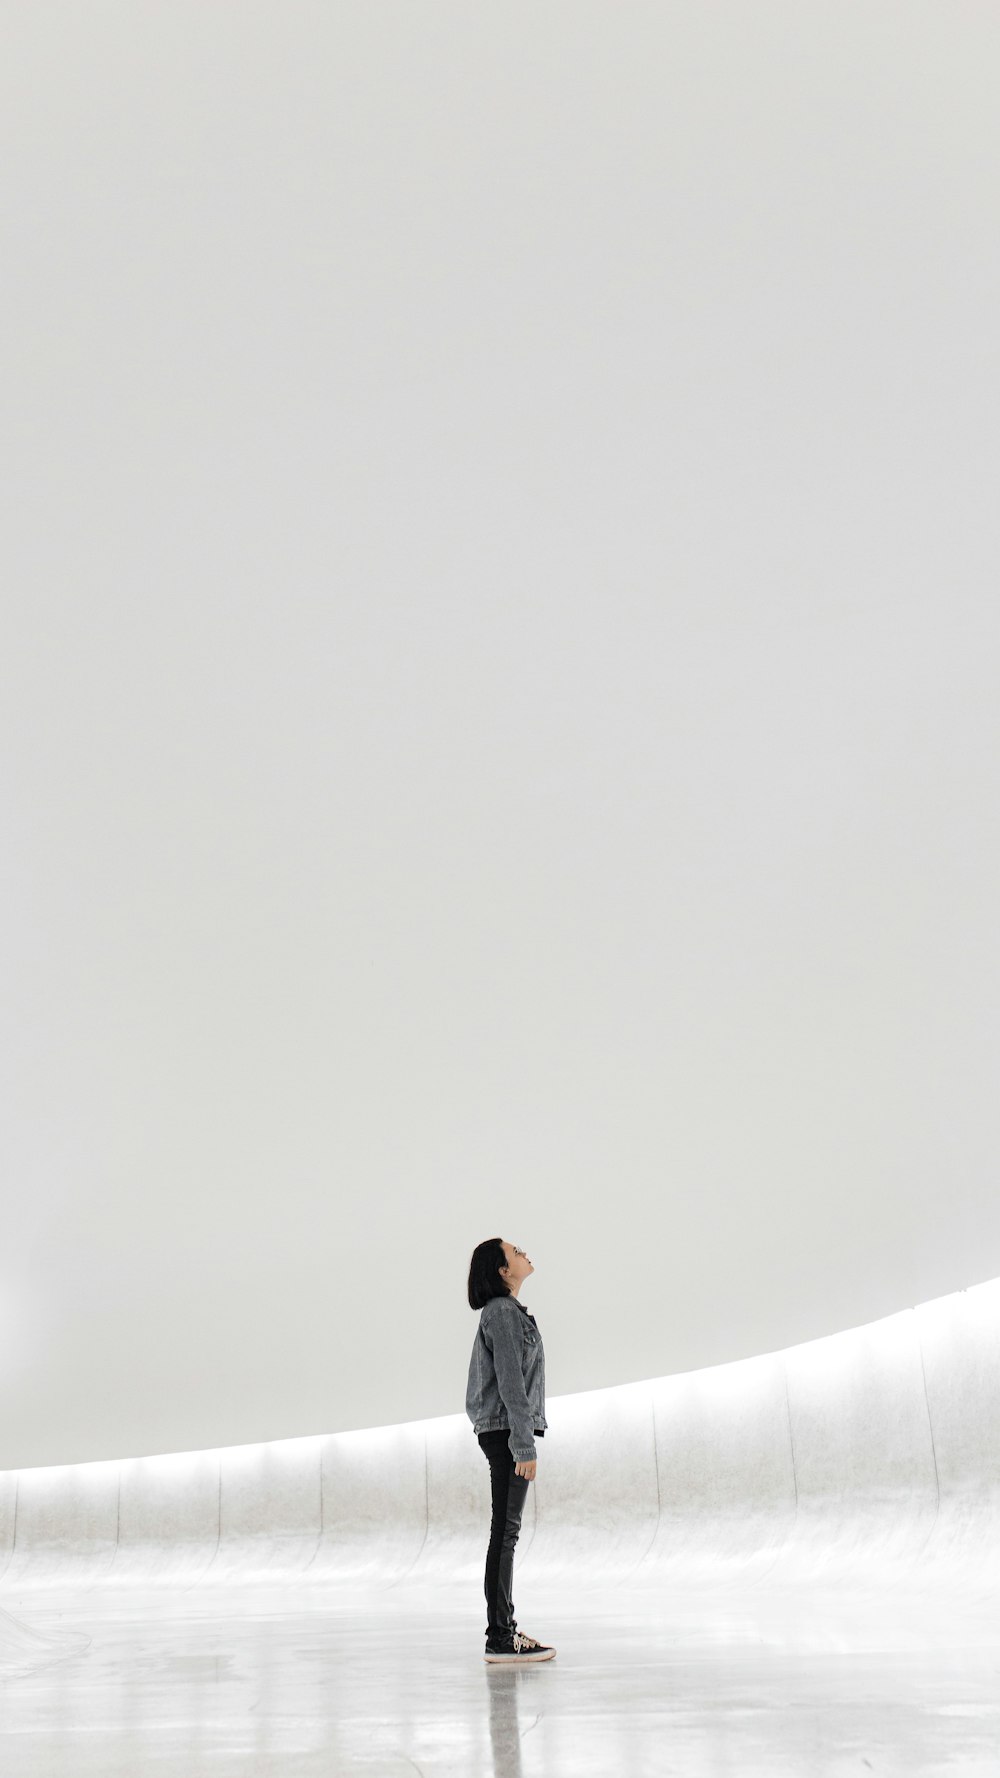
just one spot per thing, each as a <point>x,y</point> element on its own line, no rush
<point>872,1451</point>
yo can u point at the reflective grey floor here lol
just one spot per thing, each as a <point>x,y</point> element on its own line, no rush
<point>243,1682</point>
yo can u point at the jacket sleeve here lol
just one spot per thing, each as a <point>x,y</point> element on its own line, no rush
<point>505,1339</point>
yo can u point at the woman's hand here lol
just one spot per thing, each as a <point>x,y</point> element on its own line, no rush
<point>527,1470</point>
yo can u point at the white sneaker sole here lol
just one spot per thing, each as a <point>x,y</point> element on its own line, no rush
<point>543,1654</point>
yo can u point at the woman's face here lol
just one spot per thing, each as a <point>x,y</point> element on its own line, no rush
<point>518,1264</point>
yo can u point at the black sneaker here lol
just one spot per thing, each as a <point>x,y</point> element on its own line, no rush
<point>515,1649</point>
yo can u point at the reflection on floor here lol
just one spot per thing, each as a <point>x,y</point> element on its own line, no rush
<point>249,1682</point>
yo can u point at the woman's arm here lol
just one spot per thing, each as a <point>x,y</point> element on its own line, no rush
<point>505,1340</point>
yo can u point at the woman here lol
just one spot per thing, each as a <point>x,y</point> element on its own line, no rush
<point>505,1401</point>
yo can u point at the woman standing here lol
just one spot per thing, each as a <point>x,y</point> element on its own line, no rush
<point>505,1401</point>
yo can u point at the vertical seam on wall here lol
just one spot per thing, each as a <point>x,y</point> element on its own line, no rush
<point>319,1540</point>
<point>656,1460</point>
<point>656,1472</point>
<point>218,1537</point>
<point>118,1525</point>
<point>755,1582</point>
<point>427,1523</point>
<point>927,1405</point>
<point>791,1437</point>
<point>930,1428</point>
<point>427,1509</point>
<point>13,1535</point>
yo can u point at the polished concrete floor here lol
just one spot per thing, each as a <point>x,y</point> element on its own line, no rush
<point>242,1682</point>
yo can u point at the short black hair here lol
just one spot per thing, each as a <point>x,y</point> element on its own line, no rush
<point>484,1273</point>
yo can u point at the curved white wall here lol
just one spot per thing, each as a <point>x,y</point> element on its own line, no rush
<point>498,692</point>
<point>873,1453</point>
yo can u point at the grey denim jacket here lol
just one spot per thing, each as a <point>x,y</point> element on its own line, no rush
<point>507,1376</point>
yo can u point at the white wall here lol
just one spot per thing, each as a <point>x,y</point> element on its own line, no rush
<point>868,1456</point>
<point>498,693</point>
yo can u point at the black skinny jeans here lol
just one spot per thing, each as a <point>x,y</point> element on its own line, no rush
<point>509,1494</point>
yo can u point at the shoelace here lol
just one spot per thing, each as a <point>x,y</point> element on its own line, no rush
<point>522,1643</point>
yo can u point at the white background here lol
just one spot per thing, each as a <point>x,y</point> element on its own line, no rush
<point>498,694</point>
